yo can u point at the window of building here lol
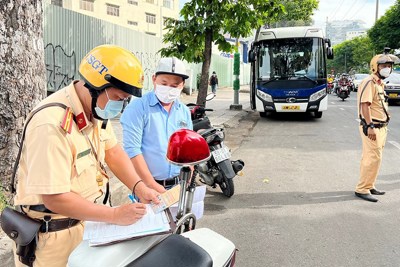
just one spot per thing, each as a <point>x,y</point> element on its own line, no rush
<point>150,1</point>
<point>133,23</point>
<point>57,2</point>
<point>133,2</point>
<point>167,3</point>
<point>86,5</point>
<point>150,18</point>
<point>112,10</point>
<point>151,33</point>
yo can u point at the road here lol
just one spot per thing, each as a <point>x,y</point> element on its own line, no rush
<point>295,205</point>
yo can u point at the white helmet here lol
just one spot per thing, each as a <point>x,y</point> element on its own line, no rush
<point>172,65</point>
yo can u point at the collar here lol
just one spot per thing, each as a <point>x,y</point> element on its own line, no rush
<point>77,108</point>
<point>376,79</point>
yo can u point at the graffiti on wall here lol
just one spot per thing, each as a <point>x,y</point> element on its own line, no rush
<point>149,62</point>
<point>60,67</point>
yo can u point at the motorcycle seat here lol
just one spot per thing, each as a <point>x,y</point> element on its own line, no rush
<point>174,251</point>
<point>206,132</point>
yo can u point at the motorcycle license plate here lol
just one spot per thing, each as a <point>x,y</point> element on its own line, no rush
<point>392,95</point>
<point>221,154</point>
<point>291,107</point>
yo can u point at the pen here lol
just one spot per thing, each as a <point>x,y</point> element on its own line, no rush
<point>132,198</point>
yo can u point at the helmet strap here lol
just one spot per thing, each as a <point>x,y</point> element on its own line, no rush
<point>95,95</point>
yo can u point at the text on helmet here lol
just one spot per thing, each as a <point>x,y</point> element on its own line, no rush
<point>96,64</point>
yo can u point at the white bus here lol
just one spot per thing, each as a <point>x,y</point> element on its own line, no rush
<point>288,70</point>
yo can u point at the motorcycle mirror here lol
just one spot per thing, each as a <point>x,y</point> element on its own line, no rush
<point>210,96</point>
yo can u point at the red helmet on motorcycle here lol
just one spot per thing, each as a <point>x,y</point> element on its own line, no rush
<point>186,147</point>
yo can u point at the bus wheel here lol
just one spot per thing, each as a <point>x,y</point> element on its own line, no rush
<point>318,114</point>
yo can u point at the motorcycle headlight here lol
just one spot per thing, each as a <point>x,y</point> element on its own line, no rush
<point>266,97</point>
<point>317,95</point>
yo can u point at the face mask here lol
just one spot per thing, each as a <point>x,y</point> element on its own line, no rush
<point>385,72</point>
<point>167,94</point>
<point>111,110</point>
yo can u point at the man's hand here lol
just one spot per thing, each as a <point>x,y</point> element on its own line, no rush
<point>146,194</point>
<point>129,213</point>
<point>371,133</point>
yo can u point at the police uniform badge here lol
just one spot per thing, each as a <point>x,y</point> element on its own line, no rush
<point>66,123</point>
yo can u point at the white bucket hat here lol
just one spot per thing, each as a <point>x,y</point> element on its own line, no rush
<point>172,65</point>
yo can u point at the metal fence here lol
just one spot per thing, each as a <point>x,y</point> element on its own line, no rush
<point>69,36</point>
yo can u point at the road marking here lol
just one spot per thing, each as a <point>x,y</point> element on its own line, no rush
<point>341,108</point>
<point>333,103</point>
<point>395,144</point>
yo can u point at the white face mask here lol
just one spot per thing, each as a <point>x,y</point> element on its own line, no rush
<point>385,72</point>
<point>167,94</point>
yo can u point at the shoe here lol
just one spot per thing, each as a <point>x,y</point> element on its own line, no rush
<point>376,192</point>
<point>366,197</point>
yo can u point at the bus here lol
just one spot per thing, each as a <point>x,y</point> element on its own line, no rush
<point>288,70</point>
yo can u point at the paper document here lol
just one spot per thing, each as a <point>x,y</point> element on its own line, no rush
<point>198,203</point>
<point>167,199</point>
<point>100,233</point>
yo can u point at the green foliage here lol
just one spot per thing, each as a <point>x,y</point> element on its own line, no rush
<point>386,31</point>
<point>3,200</point>
<point>352,56</point>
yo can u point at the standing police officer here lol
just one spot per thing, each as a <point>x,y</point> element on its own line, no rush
<point>61,176</point>
<point>372,103</point>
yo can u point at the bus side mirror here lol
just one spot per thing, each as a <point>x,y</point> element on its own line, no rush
<point>252,56</point>
<point>329,52</point>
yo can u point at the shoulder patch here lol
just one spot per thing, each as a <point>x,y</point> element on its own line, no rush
<point>67,121</point>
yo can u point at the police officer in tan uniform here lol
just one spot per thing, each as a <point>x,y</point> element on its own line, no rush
<point>374,118</point>
<point>61,178</point>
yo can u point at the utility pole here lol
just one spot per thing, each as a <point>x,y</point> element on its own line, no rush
<point>236,82</point>
<point>376,10</point>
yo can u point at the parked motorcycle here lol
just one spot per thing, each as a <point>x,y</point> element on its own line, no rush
<point>186,246</point>
<point>219,170</point>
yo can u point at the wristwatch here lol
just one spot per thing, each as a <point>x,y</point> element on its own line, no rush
<point>371,125</point>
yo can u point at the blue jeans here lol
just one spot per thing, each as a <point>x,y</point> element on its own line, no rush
<point>214,88</point>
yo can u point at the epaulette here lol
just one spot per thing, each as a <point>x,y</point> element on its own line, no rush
<point>66,123</point>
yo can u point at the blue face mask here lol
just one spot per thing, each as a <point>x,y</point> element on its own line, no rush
<point>111,110</point>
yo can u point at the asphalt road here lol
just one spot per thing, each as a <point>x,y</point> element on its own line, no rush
<point>295,205</point>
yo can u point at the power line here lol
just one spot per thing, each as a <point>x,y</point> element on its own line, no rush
<point>335,12</point>
<point>351,7</point>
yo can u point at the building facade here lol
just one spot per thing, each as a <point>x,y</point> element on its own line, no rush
<point>147,16</point>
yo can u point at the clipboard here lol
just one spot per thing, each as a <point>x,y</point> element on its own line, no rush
<point>118,239</point>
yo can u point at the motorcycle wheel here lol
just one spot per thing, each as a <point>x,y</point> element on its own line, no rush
<point>227,187</point>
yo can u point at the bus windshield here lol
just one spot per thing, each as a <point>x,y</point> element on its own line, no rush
<point>291,59</point>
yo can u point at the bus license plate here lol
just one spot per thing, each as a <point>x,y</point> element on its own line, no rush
<point>221,154</point>
<point>291,107</point>
<point>392,95</point>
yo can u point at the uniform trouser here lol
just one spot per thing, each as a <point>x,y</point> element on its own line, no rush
<point>54,248</point>
<point>371,159</point>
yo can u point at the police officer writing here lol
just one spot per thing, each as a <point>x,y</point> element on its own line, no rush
<point>374,119</point>
<point>61,177</point>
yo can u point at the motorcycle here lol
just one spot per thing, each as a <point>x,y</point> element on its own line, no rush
<point>330,87</point>
<point>343,91</point>
<point>219,170</point>
<point>185,246</point>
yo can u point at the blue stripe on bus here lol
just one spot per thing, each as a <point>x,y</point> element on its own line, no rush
<point>289,92</point>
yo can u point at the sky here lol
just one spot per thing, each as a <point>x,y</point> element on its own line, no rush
<point>344,9</point>
<point>350,10</point>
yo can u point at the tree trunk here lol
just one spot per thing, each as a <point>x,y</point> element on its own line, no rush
<point>201,97</point>
<point>23,74</point>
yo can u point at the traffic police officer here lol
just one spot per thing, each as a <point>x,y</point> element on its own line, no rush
<point>61,178</point>
<point>374,118</point>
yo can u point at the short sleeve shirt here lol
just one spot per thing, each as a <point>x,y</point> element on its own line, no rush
<point>147,127</point>
<point>371,90</point>
<point>54,161</point>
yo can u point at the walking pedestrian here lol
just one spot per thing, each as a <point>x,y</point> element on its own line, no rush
<point>214,82</point>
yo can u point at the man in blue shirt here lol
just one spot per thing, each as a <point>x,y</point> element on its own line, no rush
<point>148,122</point>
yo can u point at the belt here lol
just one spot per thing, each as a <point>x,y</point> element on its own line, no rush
<point>168,182</point>
<point>50,225</point>
<point>380,125</point>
